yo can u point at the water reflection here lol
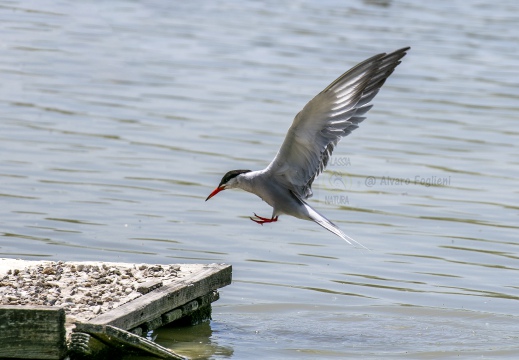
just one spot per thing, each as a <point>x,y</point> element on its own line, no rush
<point>195,342</point>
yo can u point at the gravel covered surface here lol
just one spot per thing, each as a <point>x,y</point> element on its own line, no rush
<point>84,290</point>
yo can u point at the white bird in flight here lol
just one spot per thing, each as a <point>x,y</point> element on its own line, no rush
<point>334,113</point>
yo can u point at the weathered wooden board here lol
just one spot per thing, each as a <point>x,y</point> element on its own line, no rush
<point>148,307</point>
<point>148,286</point>
<point>32,332</point>
<point>98,341</point>
<point>114,336</point>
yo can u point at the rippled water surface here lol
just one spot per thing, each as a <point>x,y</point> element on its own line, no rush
<point>118,118</point>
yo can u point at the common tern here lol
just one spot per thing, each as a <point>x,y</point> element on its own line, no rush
<point>335,112</point>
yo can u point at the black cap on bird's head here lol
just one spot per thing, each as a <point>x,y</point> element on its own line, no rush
<point>225,180</point>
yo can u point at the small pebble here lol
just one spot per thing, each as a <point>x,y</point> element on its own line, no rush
<point>48,271</point>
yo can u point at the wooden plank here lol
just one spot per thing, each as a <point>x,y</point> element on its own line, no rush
<point>193,312</point>
<point>171,316</point>
<point>32,332</point>
<point>124,340</point>
<point>85,346</point>
<point>153,324</point>
<point>97,340</point>
<point>148,286</point>
<point>166,298</point>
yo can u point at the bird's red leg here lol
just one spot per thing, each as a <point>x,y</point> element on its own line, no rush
<point>262,220</point>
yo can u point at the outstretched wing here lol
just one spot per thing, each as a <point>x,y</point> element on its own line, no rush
<point>332,114</point>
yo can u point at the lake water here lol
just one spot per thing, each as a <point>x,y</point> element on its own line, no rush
<point>118,118</point>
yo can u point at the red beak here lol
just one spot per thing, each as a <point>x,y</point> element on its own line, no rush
<point>215,191</point>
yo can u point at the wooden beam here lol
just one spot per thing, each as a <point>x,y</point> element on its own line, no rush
<point>148,286</point>
<point>32,332</point>
<point>124,340</point>
<point>166,298</point>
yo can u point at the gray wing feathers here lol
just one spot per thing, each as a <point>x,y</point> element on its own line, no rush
<point>332,114</point>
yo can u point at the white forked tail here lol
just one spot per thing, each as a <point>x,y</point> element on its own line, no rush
<point>328,225</point>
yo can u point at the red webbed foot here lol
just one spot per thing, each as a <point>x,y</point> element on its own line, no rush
<point>262,220</point>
